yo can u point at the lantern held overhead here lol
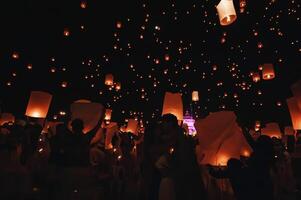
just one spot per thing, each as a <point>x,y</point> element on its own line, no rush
<point>173,104</point>
<point>295,112</point>
<point>38,104</point>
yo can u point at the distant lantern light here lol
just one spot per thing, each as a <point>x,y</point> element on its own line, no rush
<point>109,79</point>
<point>38,104</point>
<point>15,55</point>
<point>66,32</point>
<point>268,72</point>
<point>195,96</point>
<point>166,57</point>
<point>119,24</point>
<point>256,77</point>
<point>83,4</point>
<point>29,66</point>
<point>118,86</point>
<point>108,114</point>
<point>226,12</point>
<point>64,84</point>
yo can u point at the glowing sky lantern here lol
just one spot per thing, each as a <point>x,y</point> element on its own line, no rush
<point>256,77</point>
<point>226,12</point>
<point>83,4</point>
<point>112,128</point>
<point>109,79</point>
<point>90,113</point>
<point>288,130</point>
<point>132,126</point>
<point>220,138</point>
<point>38,104</point>
<point>272,130</point>
<point>108,114</point>
<point>173,104</point>
<point>268,72</point>
<point>118,86</point>
<point>296,89</point>
<point>195,96</point>
<point>295,112</point>
<point>6,117</point>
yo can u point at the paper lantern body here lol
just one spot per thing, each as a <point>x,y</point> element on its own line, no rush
<point>132,126</point>
<point>118,86</point>
<point>38,104</point>
<point>256,77</point>
<point>268,72</point>
<point>272,130</point>
<point>173,105</point>
<point>195,96</point>
<point>108,114</point>
<point>6,117</point>
<point>289,131</point>
<point>226,12</point>
<point>296,89</point>
<point>109,80</point>
<point>220,138</point>
<point>295,112</point>
<point>90,113</point>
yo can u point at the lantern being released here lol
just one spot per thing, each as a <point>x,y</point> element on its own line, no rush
<point>268,72</point>
<point>295,112</point>
<point>38,104</point>
<point>195,96</point>
<point>173,105</point>
<point>109,79</point>
<point>108,114</point>
<point>132,126</point>
<point>6,117</point>
<point>272,130</point>
<point>226,12</point>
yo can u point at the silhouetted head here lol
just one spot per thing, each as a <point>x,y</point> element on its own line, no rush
<point>169,120</point>
<point>77,125</point>
<point>234,164</point>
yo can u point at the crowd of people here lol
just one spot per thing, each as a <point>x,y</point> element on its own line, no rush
<point>160,164</point>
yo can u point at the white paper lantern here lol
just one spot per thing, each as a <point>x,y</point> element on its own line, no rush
<point>38,104</point>
<point>173,104</point>
<point>226,12</point>
<point>195,96</point>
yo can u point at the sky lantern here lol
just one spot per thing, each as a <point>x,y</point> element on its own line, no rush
<point>108,114</point>
<point>38,104</point>
<point>109,79</point>
<point>296,89</point>
<point>173,104</point>
<point>119,24</point>
<point>295,112</point>
<point>15,55</point>
<point>268,72</point>
<point>166,57</point>
<point>90,113</point>
<point>272,130</point>
<point>66,32</point>
<point>29,66</point>
<point>220,138</point>
<point>64,84</point>
<point>132,126</point>
<point>226,12</point>
<point>6,117</point>
<point>83,4</point>
<point>288,130</point>
<point>118,86</point>
<point>195,96</point>
<point>256,77</point>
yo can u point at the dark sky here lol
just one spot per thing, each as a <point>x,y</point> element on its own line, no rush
<point>187,31</point>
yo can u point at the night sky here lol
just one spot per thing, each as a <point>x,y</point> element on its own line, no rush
<point>150,47</point>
